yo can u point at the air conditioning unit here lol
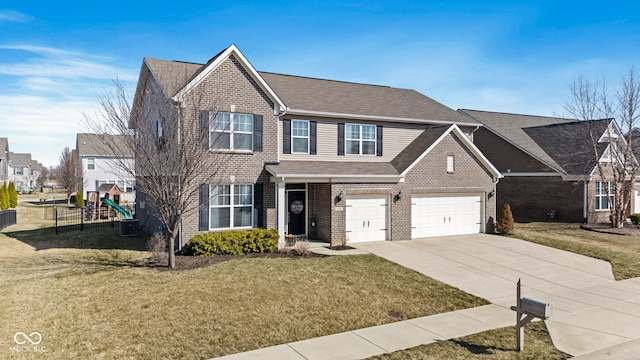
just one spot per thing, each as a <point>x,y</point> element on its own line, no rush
<point>129,227</point>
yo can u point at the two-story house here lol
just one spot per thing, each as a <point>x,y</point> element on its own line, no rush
<point>333,160</point>
<point>550,167</point>
<point>20,171</point>
<point>98,163</point>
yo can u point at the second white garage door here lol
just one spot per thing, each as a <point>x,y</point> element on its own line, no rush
<point>445,215</point>
<point>366,218</point>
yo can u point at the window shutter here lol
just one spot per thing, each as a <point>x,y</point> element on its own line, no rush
<point>203,223</point>
<point>379,140</point>
<point>340,138</point>
<point>286,136</point>
<point>204,128</point>
<point>312,137</point>
<point>258,204</point>
<point>257,133</point>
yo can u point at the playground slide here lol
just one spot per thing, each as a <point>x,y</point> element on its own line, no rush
<point>118,208</point>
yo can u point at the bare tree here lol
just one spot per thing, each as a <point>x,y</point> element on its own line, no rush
<point>170,147</point>
<point>615,162</point>
<point>66,171</point>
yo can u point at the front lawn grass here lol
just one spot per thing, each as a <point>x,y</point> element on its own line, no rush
<point>498,344</point>
<point>89,296</point>
<point>622,251</point>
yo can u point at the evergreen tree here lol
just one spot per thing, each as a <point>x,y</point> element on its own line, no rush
<point>4,197</point>
<point>13,195</point>
<point>79,199</point>
<point>505,221</point>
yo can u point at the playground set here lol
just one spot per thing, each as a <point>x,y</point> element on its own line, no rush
<point>98,206</point>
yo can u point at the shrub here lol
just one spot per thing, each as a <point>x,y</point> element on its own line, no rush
<point>234,242</point>
<point>635,219</point>
<point>4,197</point>
<point>13,195</point>
<point>505,221</point>
<point>79,199</point>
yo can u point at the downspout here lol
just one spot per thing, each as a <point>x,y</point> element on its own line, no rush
<point>179,142</point>
<point>279,115</point>
<point>473,131</point>
<point>585,203</point>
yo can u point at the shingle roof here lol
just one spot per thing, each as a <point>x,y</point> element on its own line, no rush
<point>570,144</point>
<point>321,95</point>
<point>172,75</point>
<point>511,127</point>
<point>417,147</point>
<point>18,159</point>
<point>331,168</point>
<point>303,93</point>
<point>97,145</point>
<point>563,144</point>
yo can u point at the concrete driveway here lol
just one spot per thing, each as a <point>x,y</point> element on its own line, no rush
<point>592,311</point>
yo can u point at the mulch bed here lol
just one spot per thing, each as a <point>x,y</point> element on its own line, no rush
<point>189,262</point>
<point>627,229</point>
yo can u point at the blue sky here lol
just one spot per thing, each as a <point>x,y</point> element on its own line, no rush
<point>498,56</point>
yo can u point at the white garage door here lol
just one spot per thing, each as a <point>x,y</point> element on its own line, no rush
<point>366,218</point>
<point>445,215</point>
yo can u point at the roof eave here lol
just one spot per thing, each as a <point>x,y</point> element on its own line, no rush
<point>303,112</point>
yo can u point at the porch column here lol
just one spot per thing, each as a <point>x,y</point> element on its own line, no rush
<point>281,212</point>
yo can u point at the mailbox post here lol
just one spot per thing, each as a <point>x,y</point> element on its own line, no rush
<point>530,308</point>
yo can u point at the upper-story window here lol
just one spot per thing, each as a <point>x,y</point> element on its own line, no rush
<point>360,139</point>
<point>18,170</point>
<point>91,163</point>
<point>300,136</point>
<point>231,131</point>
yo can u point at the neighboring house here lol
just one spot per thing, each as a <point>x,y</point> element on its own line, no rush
<point>20,171</point>
<point>4,159</point>
<point>36,172</point>
<point>325,159</point>
<point>97,163</point>
<point>549,164</point>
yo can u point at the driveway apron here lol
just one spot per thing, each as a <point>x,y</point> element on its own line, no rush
<point>591,311</point>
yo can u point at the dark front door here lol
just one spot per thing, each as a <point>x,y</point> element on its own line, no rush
<point>297,212</point>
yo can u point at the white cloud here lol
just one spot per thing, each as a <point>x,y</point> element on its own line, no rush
<point>50,88</point>
<point>13,16</point>
<point>60,63</point>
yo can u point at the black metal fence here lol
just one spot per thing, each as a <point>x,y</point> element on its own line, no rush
<point>85,218</point>
<point>7,217</point>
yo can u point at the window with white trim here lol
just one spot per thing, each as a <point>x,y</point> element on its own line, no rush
<point>601,194</point>
<point>360,139</point>
<point>300,136</point>
<point>231,131</point>
<point>91,163</point>
<point>18,170</point>
<point>231,206</point>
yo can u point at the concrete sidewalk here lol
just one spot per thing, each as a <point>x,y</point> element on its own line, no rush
<point>363,343</point>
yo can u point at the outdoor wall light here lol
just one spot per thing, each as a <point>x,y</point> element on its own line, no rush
<point>491,194</point>
<point>398,196</point>
<point>340,196</point>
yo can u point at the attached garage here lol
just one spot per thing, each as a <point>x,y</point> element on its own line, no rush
<point>366,218</point>
<point>442,215</point>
